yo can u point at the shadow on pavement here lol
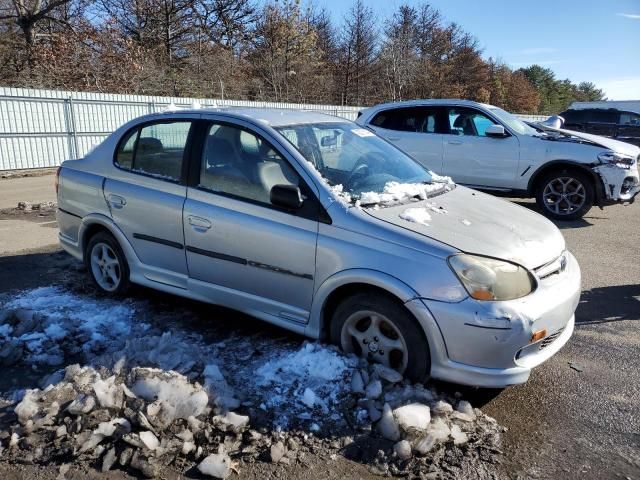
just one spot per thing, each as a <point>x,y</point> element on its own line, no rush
<point>609,304</point>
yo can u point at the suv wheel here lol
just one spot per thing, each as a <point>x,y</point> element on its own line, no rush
<point>107,264</point>
<point>565,194</point>
<point>379,329</point>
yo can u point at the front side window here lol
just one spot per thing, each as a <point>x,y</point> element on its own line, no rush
<point>242,164</point>
<point>155,149</point>
<point>628,118</point>
<point>352,157</point>
<point>469,122</point>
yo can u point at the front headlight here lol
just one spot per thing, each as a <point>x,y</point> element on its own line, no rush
<point>618,159</point>
<point>491,279</point>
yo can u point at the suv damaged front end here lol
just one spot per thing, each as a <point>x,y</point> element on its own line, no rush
<point>619,175</point>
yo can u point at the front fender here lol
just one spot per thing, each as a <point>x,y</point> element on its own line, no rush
<point>371,277</point>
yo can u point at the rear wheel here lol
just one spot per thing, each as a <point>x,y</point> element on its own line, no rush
<point>380,329</point>
<point>107,264</point>
<point>565,194</point>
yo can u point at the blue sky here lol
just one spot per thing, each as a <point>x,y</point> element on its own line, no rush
<point>594,40</point>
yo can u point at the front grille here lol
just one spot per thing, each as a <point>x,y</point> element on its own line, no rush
<point>554,267</point>
<point>549,340</point>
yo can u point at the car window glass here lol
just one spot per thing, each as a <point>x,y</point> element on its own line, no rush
<point>158,150</point>
<point>124,157</point>
<point>469,122</point>
<point>240,163</point>
<point>628,118</point>
<point>411,119</point>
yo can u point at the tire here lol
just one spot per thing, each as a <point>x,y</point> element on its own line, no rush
<point>565,194</point>
<point>395,333</point>
<point>107,264</point>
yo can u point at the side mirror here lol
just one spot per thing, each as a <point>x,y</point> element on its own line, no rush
<point>286,196</point>
<point>329,141</point>
<point>496,131</point>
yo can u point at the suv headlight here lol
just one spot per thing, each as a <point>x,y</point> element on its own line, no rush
<point>619,159</point>
<point>491,279</point>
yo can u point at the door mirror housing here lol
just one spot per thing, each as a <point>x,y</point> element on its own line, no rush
<point>286,196</point>
<point>496,131</point>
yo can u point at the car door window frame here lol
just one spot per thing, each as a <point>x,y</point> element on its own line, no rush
<point>137,129</point>
<point>394,111</point>
<point>447,108</point>
<point>312,208</point>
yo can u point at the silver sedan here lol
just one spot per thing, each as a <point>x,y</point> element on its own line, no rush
<point>317,225</point>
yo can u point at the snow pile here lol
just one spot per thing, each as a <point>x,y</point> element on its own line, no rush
<point>47,325</point>
<point>143,419</point>
<point>306,384</point>
<point>416,215</point>
<point>395,192</point>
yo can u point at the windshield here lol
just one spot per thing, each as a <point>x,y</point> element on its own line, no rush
<point>513,122</point>
<point>353,159</point>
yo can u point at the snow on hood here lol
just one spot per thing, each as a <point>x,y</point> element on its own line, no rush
<point>604,142</point>
<point>475,222</point>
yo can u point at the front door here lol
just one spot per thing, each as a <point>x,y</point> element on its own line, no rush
<point>147,193</point>
<point>474,159</point>
<point>259,256</point>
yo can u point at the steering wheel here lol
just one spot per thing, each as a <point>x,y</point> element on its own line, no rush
<point>362,167</point>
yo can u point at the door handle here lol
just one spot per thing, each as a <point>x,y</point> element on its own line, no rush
<point>199,223</point>
<point>116,201</point>
<point>455,142</point>
<point>393,139</point>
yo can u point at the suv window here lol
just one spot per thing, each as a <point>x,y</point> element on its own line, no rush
<point>601,116</point>
<point>155,149</point>
<point>242,164</point>
<point>629,118</point>
<point>467,121</point>
<point>409,119</point>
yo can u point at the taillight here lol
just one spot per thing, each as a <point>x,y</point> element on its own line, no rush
<point>57,181</point>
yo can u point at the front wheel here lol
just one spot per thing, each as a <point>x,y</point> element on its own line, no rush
<point>565,194</point>
<point>107,264</point>
<point>377,328</point>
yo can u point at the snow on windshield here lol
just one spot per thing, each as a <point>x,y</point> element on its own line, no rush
<point>360,167</point>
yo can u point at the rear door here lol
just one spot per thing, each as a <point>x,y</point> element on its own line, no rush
<point>147,193</point>
<point>240,247</point>
<point>415,130</point>
<point>472,158</point>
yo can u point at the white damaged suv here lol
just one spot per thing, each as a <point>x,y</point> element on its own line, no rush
<point>484,147</point>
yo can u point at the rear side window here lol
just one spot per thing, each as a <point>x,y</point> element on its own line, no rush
<point>155,149</point>
<point>410,119</point>
<point>628,118</point>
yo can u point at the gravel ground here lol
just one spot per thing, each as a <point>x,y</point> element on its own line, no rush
<point>577,417</point>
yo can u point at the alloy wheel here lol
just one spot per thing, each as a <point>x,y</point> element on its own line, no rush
<point>105,267</point>
<point>373,336</point>
<point>564,195</point>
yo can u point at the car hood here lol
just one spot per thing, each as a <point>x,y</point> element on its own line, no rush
<point>599,141</point>
<point>474,222</point>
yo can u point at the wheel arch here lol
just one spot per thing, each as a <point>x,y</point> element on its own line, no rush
<point>559,165</point>
<point>94,223</point>
<point>348,282</point>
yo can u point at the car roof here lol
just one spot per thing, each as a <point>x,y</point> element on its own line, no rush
<point>274,117</point>
<point>428,101</point>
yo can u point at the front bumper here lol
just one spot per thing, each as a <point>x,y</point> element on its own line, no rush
<point>488,344</point>
<point>619,185</point>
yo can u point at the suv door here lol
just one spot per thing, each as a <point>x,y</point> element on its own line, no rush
<point>601,122</point>
<point>240,247</point>
<point>472,158</point>
<point>147,193</point>
<point>629,128</point>
<point>415,130</point>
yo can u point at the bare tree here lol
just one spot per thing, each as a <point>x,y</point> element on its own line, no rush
<point>398,57</point>
<point>358,49</point>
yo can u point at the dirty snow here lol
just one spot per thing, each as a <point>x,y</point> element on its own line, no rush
<point>150,396</point>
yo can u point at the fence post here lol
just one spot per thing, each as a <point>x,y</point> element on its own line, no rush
<point>152,107</point>
<point>70,125</point>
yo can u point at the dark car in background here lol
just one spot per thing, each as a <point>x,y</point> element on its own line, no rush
<point>609,122</point>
